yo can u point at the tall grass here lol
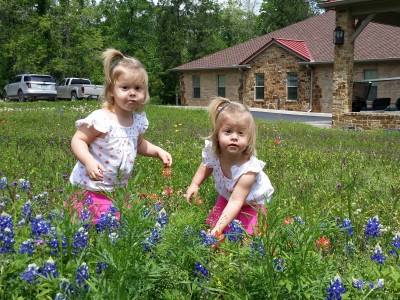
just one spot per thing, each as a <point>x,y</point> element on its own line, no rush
<point>333,221</point>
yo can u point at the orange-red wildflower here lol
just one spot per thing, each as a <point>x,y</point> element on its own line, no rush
<point>323,243</point>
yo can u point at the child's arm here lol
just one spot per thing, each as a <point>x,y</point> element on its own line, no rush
<point>146,148</point>
<point>201,175</point>
<point>236,201</point>
<point>80,146</point>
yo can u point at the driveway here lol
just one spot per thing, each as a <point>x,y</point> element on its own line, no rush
<point>323,120</point>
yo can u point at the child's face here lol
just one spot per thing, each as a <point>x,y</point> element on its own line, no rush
<point>233,136</point>
<point>128,94</point>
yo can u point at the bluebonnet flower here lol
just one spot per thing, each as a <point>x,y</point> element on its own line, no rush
<point>53,243</point>
<point>80,239</point>
<point>6,233</point>
<point>27,246</point>
<point>153,239</point>
<point>378,255</point>
<point>395,243</point>
<point>108,221</point>
<point>236,232</point>
<point>31,274</point>
<point>335,289</point>
<point>24,185</point>
<point>101,266</point>
<point>299,220</point>
<point>67,287</point>
<point>278,264</point>
<point>40,226</point>
<point>257,247</point>
<point>201,272</point>
<point>379,283</point>
<point>347,225</point>
<point>372,228</point>
<point>49,269</point>
<point>357,283</point>
<point>113,236</point>
<point>207,238</point>
<point>82,275</point>
<point>27,211</point>
<point>85,216</point>
<point>3,183</point>
<point>162,218</point>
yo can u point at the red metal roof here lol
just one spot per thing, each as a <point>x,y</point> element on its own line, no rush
<point>312,39</point>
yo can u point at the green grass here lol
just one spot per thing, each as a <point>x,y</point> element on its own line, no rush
<point>320,175</point>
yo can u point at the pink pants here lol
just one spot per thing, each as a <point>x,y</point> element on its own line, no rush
<point>247,216</point>
<point>99,203</point>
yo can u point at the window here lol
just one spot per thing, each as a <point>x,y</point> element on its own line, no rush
<point>259,86</point>
<point>292,86</point>
<point>373,92</point>
<point>221,85</point>
<point>196,86</point>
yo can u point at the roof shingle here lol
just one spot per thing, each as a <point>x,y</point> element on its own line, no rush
<point>311,38</point>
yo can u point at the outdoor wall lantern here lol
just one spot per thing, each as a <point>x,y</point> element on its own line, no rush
<point>338,36</point>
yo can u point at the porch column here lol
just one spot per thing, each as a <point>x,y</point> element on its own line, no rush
<point>343,67</point>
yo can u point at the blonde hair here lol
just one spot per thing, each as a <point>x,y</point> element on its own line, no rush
<point>115,63</point>
<point>219,110</point>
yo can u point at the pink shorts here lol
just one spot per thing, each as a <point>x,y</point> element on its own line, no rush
<point>247,216</point>
<point>100,203</point>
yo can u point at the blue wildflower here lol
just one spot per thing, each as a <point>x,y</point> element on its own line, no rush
<point>40,226</point>
<point>378,255</point>
<point>3,183</point>
<point>49,269</point>
<point>278,264</point>
<point>31,274</point>
<point>335,289</point>
<point>80,239</point>
<point>357,283</point>
<point>372,228</point>
<point>24,185</point>
<point>349,248</point>
<point>107,221</point>
<point>236,232</point>
<point>60,296</point>
<point>27,246</point>
<point>6,233</point>
<point>396,240</point>
<point>152,240</point>
<point>53,243</point>
<point>162,218</point>
<point>298,220</point>
<point>257,246</point>
<point>201,272</point>
<point>207,238</point>
<point>67,287</point>
<point>101,266</point>
<point>82,275</point>
<point>27,211</point>
<point>347,225</point>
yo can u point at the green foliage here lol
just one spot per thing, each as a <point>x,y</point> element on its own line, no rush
<point>321,177</point>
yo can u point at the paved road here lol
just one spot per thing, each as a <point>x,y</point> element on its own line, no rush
<point>316,119</point>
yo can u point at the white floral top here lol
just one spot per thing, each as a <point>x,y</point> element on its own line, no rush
<point>260,192</point>
<point>116,151</point>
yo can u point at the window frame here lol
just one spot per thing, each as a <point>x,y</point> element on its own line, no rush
<point>290,86</point>
<point>196,85</point>
<point>373,91</point>
<point>259,89</point>
<point>221,85</point>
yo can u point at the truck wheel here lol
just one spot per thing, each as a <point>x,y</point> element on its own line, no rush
<point>21,97</point>
<point>73,96</point>
<point>5,96</point>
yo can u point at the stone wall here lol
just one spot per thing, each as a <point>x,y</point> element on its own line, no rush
<point>368,121</point>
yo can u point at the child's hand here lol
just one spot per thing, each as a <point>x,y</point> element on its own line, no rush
<point>165,157</point>
<point>191,192</point>
<point>95,170</point>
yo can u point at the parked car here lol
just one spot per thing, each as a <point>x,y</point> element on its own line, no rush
<point>78,88</point>
<point>31,86</point>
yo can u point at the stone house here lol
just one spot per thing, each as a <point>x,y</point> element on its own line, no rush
<point>292,68</point>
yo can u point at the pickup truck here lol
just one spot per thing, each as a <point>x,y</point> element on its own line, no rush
<point>78,88</point>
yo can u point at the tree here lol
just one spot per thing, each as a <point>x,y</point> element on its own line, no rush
<point>276,14</point>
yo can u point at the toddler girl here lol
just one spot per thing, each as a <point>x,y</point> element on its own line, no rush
<point>107,140</point>
<point>229,155</point>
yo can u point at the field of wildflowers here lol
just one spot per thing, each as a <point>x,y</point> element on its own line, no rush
<point>332,230</point>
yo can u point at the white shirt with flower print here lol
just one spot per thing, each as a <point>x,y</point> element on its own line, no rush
<point>261,190</point>
<point>116,151</point>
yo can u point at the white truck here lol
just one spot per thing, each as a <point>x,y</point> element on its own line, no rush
<point>78,88</point>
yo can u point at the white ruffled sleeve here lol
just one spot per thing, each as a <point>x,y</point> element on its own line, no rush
<point>98,119</point>
<point>253,165</point>
<point>208,157</point>
<point>141,122</point>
